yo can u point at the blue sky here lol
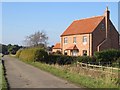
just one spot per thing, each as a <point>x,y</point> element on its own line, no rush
<point>21,19</point>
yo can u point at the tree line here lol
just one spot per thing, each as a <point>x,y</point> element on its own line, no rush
<point>9,49</point>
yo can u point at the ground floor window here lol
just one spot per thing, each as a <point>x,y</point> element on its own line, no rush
<point>65,52</point>
<point>84,52</point>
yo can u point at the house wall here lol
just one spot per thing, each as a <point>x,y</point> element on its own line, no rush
<point>114,37</point>
<point>100,42</point>
<point>55,50</point>
<point>98,36</point>
<point>112,41</point>
<point>79,43</point>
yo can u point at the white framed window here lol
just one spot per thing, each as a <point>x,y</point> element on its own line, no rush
<point>84,39</point>
<point>65,40</point>
<point>84,52</point>
<point>74,39</point>
<point>65,52</point>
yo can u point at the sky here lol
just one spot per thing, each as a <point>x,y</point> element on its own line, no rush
<point>20,19</point>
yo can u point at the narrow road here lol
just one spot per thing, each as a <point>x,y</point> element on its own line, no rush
<point>21,75</point>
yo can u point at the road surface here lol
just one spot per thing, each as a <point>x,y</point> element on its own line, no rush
<point>21,75</point>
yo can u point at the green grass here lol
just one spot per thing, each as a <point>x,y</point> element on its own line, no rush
<point>1,75</point>
<point>3,84</point>
<point>80,80</point>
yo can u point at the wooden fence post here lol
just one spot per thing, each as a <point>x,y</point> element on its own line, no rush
<point>86,66</point>
<point>112,70</point>
<point>99,63</point>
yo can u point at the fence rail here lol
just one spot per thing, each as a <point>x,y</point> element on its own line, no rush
<point>106,69</point>
<point>96,66</point>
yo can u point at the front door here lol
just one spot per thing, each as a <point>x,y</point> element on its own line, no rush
<point>74,52</point>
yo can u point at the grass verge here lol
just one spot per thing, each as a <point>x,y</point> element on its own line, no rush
<point>3,83</point>
<point>0,72</point>
<point>82,81</point>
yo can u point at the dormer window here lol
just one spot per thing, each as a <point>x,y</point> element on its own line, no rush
<point>74,39</point>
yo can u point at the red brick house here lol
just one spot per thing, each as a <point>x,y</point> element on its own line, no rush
<point>85,36</point>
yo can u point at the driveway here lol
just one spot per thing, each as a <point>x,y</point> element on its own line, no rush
<point>21,75</point>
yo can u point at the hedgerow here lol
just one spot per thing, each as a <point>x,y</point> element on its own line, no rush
<point>59,59</point>
<point>84,59</point>
<point>32,54</point>
<point>107,56</point>
<point>37,54</point>
<point>18,53</point>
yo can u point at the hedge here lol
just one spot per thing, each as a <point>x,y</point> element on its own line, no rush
<point>64,60</point>
<point>37,54</point>
<point>59,59</point>
<point>84,59</point>
<point>18,53</point>
<point>52,59</point>
<point>32,54</point>
<point>107,56</point>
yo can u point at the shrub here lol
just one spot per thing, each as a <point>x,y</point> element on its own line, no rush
<point>107,56</point>
<point>117,63</point>
<point>59,59</point>
<point>84,59</point>
<point>52,59</point>
<point>64,60</point>
<point>93,60</point>
<point>33,54</point>
<point>74,58</point>
<point>40,55</point>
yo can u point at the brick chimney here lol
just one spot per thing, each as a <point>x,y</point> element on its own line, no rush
<point>107,17</point>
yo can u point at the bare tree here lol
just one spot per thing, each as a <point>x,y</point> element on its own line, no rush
<point>38,38</point>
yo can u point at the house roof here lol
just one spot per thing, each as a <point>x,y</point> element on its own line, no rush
<point>83,26</point>
<point>57,46</point>
<point>72,47</point>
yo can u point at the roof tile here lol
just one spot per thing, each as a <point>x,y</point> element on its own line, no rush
<point>57,46</point>
<point>82,26</point>
<point>72,47</point>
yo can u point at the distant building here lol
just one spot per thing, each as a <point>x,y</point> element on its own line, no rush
<point>57,47</point>
<point>85,36</point>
